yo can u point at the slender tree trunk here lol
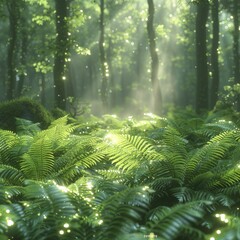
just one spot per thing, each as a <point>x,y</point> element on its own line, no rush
<point>236,57</point>
<point>43,89</point>
<point>12,48</point>
<point>24,50</point>
<point>61,52</point>
<point>214,55</point>
<point>103,61</point>
<point>201,56</point>
<point>157,96</point>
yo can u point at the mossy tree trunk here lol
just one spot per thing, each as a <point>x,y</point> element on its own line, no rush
<point>201,56</point>
<point>156,96</point>
<point>214,55</point>
<point>61,52</point>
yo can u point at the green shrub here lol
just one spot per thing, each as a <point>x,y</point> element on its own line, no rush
<point>23,108</point>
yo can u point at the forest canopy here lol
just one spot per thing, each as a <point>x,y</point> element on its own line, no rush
<point>125,57</point>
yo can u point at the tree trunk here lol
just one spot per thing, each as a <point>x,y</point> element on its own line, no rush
<point>24,50</point>
<point>214,55</point>
<point>236,66</point>
<point>103,62</point>
<point>61,52</point>
<point>157,96</point>
<point>43,89</point>
<point>201,56</point>
<point>12,48</point>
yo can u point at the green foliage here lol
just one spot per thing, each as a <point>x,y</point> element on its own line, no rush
<point>158,178</point>
<point>23,108</point>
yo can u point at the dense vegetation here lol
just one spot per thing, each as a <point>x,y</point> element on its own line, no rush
<point>106,178</point>
<point>69,169</point>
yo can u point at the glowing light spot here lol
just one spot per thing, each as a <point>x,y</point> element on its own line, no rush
<point>145,188</point>
<point>212,238</point>
<point>111,138</point>
<point>89,185</point>
<point>218,231</point>
<point>64,78</point>
<point>222,216</point>
<point>61,232</point>
<point>217,215</point>
<point>10,222</point>
<point>100,222</point>
<point>66,225</point>
<point>62,188</point>
<point>7,211</point>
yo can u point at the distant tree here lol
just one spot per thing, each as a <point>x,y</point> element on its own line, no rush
<point>103,61</point>
<point>214,55</point>
<point>201,56</point>
<point>157,96</point>
<point>24,40</point>
<point>233,7</point>
<point>61,51</point>
<point>236,54</point>
<point>14,16</point>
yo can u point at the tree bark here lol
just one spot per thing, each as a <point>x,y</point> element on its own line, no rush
<point>103,61</point>
<point>157,96</point>
<point>61,52</point>
<point>201,56</point>
<point>236,57</point>
<point>13,11</point>
<point>214,55</point>
<point>24,49</point>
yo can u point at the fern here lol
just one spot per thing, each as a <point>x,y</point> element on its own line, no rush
<point>38,162</point>
<point>27,127</point>
<point>168,223</point>
<point>127,152</point>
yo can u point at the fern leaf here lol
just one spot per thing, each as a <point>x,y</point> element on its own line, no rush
<point>167,223</point>
<point>38,162</point>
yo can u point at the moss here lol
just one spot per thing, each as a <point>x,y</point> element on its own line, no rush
<point>58,113</point>
<point>23,108</point>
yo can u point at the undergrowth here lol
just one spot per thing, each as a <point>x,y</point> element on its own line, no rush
<point>111,179</point>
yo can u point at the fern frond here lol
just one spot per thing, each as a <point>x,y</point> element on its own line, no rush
<point>121,211</point>
<point>38,162</point>
<point>227,179</point>
<point>57,133</point>
<point>27,127</point>
<point>126,152</point>
<point>8,140</point>
<point>167,223</point>
<point>49,198</point>
<point>11,175</point>
<point>206,158</point>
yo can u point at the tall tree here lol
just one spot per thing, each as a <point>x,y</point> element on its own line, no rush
<point>103,61</point>
<point>236,55</point>
<point>14,15</point>
<point>214,55</point>
<point>61,51</point>
<point>24,39</point>
<point>157,96</point>
<point>201,56</point>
